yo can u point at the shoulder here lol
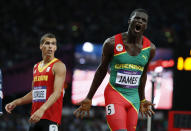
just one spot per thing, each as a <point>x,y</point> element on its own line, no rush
<point>153,47</point>
<point>35,65</point>
<point>152,50</point>
<point>108,46</point>
<point>110,41</point>
<point>59,66</point>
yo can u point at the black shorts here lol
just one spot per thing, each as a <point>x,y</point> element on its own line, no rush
<point>44,125</point>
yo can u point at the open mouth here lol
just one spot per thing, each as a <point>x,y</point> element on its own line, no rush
<point>137,28</point>
<point>49,51</point>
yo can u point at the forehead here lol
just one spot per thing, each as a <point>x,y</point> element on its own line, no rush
<point>47,39</point>
<point>140,14</point>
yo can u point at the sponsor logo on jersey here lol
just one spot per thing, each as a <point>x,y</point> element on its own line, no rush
<point>41,78</point>
<point>144,57</point>
<point>129,66</point>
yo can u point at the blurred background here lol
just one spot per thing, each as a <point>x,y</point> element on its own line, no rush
<point>81,27</point>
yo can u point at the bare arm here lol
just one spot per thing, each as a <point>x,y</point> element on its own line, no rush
<point>102,68</point>
<point>59,70</point>
<point>107,54</point>
<point>145,106</point>
<point>144,75</point>
<point>20,101</point>
<point>24,100</point>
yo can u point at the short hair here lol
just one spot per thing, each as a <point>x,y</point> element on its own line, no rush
<point>47,35</point>
<point>138,10</point>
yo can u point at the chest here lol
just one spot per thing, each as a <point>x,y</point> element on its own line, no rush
<point>141,59</point>
<point>133,50</point>
<point>44,75</point>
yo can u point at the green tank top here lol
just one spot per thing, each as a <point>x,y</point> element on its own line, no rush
<point>126,70</point>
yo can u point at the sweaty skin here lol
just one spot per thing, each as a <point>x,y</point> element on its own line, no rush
<point>132,40</point>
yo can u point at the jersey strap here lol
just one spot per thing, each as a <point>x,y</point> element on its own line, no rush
<point>146,43</point>
<point>119,47</point>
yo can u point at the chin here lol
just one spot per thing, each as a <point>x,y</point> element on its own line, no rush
<point>48,56</point>
<point>136,33</point>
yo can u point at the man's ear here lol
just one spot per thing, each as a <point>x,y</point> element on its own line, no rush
<point>56,48</point>
<point>129,20</point>
<point>41,46</point>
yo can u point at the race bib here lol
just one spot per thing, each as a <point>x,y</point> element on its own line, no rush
<point>39,94</point>
<point>53,127</point>
<point>110,109</point>
<point>128,79</point>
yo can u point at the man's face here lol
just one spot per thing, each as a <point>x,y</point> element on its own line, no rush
<point>138,22</point>
<point>49,46</point>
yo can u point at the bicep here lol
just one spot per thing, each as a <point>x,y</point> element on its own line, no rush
<point>60,74</point>
<point>107,53</point>
<point>152,54</point>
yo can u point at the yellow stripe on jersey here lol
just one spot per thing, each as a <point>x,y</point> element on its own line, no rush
<point>146,48</point>
<point>40,69</point>
<point>120,53</point>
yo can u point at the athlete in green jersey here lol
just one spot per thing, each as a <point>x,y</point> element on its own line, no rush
<point>128,55</point>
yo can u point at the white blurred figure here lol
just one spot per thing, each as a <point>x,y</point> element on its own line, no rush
<point>1,93</point>
<point>158,79</point>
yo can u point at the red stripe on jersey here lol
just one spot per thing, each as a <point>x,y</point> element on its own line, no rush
<point>146,43</point>
<point>119,46</point>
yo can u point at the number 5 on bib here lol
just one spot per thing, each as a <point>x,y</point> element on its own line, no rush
<point>110,110</point>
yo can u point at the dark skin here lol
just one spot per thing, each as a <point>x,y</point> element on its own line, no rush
<point>132,40</point>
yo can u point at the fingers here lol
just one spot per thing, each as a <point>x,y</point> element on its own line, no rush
<point>142,114</point>
<point>81,113</point>
<point>146,111</point>
<point>151,104</point>
<point>146,114</point>
<point>9,108</point>
<point>34,119</point>
<point>88,113</point>
<point>84,108</point>
<point>77,112</point>
<point>151,111</point>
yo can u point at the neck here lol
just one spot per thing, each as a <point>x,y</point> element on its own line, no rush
<point>47,59</point>
<point>132,38</point>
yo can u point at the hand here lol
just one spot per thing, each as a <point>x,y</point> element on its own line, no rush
<point>9,107</point>
<point>36,116</point>
<point>85,106</point>
<point>146,108</point>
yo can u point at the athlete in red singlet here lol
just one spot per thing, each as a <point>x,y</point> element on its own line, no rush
<point>128,55</point>
<point>47,89</point>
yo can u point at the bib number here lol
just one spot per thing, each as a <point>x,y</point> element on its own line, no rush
<point>128,79</point>
<point>53,127</point>
<point>39,94</point>
<point>110,110</point>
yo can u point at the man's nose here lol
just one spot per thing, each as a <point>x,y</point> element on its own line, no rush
<point>50,45</point>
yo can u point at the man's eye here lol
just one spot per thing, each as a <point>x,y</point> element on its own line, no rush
<point>47,43</point>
